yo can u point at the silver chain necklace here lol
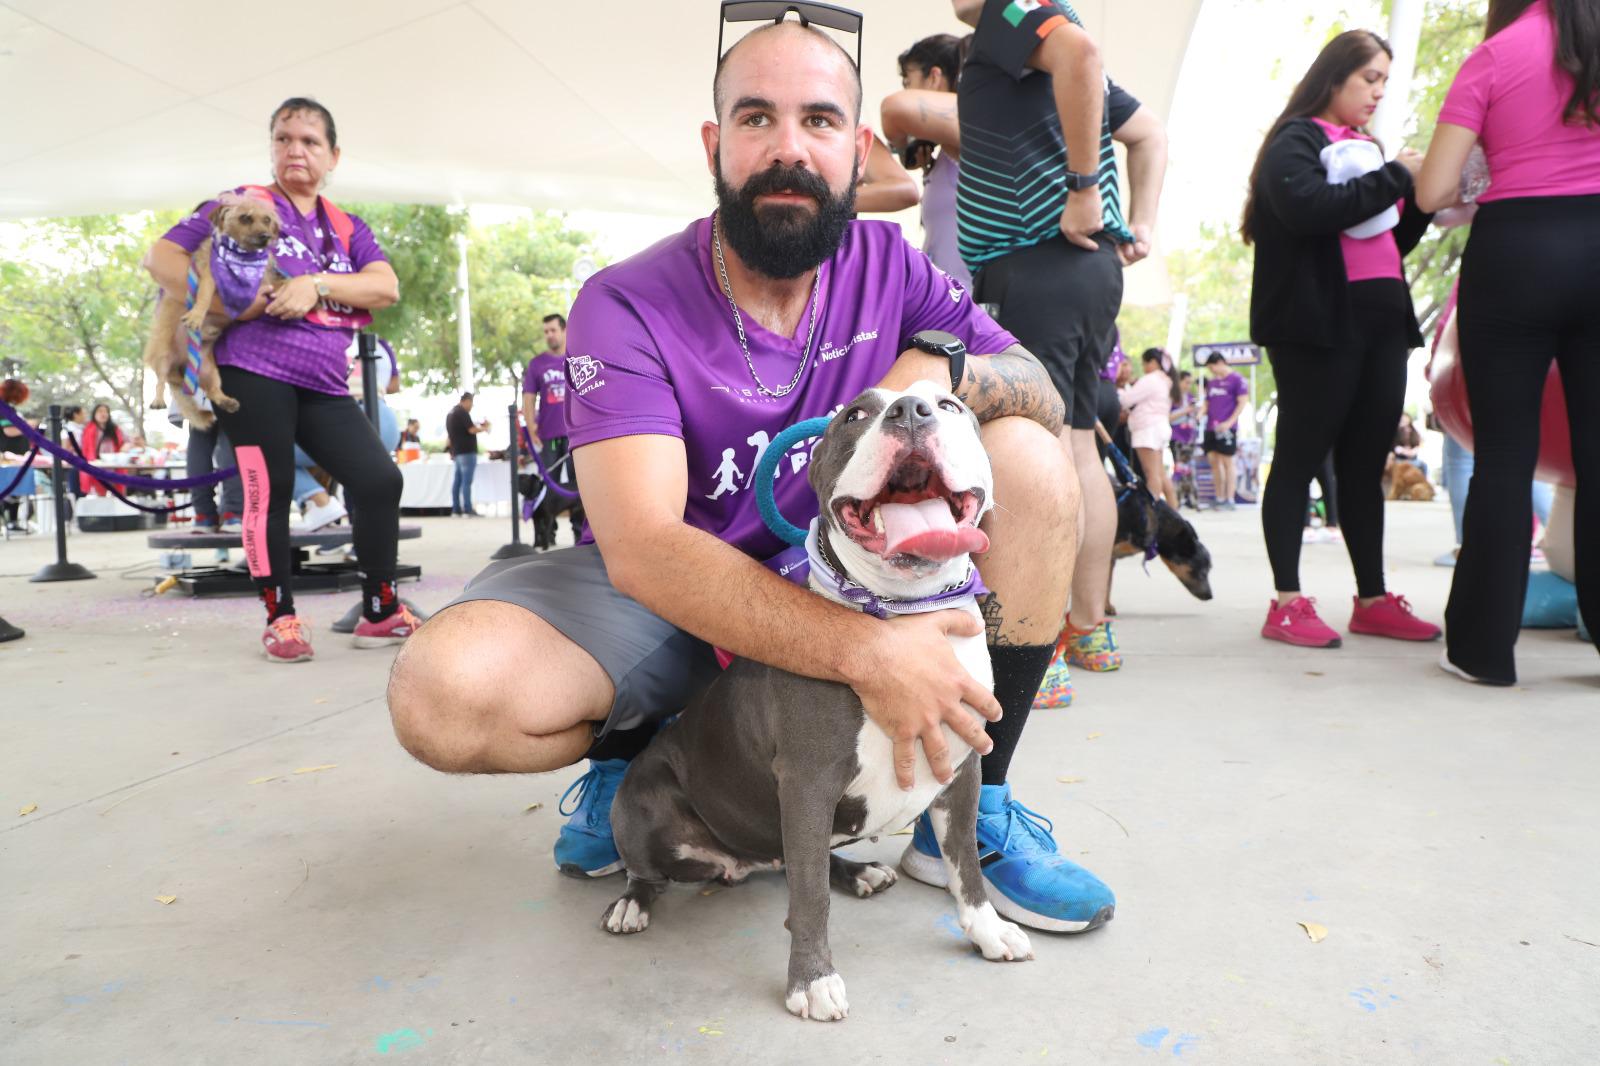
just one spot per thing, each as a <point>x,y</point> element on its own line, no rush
<point>738,321</point>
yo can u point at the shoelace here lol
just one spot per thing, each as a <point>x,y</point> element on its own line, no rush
<point>288,628</point>
<point>1031,823</point>
<point>1402,603</point>
<point>590,782</point>
<point>1309,610</point>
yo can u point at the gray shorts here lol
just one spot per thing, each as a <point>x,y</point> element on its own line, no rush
<point>655,667</point>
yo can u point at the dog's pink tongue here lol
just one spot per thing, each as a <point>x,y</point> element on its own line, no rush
<point>928,531</point>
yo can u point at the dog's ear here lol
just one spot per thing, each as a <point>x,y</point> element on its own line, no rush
<point>219,213</point>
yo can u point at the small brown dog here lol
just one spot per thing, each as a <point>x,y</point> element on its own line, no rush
<point>242,229</point>
<point>1402,481</point>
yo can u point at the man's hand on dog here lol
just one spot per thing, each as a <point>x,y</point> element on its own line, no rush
<point>911,682</point>
<point>293,298</point>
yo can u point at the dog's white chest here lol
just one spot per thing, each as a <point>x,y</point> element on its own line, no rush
<point>888,807</point>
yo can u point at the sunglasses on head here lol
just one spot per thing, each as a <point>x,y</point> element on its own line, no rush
<point>808,12</point>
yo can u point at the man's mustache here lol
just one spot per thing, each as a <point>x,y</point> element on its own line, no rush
<point>779,178</point>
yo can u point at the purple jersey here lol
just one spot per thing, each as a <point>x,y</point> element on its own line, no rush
<point>292,350</point>
<point>1222,398</point>
<point>546,378</point>
<point>653,350</point>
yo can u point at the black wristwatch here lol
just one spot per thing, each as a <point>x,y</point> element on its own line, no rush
<point>938,342</point>
<point>1078,182</point>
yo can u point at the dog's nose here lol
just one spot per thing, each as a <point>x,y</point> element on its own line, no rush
<point>910,412</point>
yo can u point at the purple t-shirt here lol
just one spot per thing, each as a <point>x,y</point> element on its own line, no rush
<point>546,378</point>
<point>1222,397</point>
<point>652,350</point>
<point>292,350</point>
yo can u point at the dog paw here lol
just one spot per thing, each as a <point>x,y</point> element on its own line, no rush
<point>227,403</point>
<point>194,318</point>
<point>202,420</point>
<point>998,939</point>
<point>874,877</point>
<point>821,1001</point>
<point>626,916</point>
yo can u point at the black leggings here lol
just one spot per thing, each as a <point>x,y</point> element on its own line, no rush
<point>1529,286</point>
<point>1347,399</point>
<point>272,418</point>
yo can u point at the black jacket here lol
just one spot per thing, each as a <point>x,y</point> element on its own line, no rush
<point>1300,294</point>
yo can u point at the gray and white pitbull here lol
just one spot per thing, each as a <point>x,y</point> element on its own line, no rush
<point>770,770</point>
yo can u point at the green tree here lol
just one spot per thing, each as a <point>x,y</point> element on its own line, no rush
<point>75,308</point>
<point>520,272</point>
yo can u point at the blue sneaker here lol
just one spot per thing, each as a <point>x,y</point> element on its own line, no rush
<point>1024,874</point>
<point>586,847</point>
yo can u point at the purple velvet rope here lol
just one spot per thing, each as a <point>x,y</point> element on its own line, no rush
<point>132,481</point>
<point>549,479</point>
<point>27,465</point>
<point>118,493</point>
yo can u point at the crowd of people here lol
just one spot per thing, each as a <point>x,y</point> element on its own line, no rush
<point>685,355</point>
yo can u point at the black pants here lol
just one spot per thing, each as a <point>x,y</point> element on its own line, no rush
<point>1348,399</point>
<point>210,450</point>
<point>272,418</point>
<point>1330,492</point>
<point>1530,292</point>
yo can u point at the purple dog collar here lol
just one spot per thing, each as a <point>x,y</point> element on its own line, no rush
<point>237,272</point>
<point>870,602</point>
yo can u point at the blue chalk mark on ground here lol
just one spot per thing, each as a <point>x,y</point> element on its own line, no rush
<point>1312,897</point>
<point>1185,1041</point>
<point>378,984</point>
<point>400,1040</point>
<point>1370,999</point>
<point>1151,1038</point>
<point>947,923</point>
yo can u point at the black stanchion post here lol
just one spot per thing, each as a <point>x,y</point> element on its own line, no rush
<point>516,548</point>
<point>367,347</point>
<point>61,569</point>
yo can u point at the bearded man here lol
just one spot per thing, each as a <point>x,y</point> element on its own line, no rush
<point>683,362</point>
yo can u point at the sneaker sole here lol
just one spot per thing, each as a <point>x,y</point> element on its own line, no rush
<point>378,642</point>
<point>1092,667</point>
<point>931,871</point>
<point>572,869</point>
<point>1394,636</point>
<point>1275,634</point>
<point>278,659</point>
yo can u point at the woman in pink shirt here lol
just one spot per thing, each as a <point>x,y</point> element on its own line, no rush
<point>1330,304</point>
<point>1530,278</point>
<point>1149,402</point>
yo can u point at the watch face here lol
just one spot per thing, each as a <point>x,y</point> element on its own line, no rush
<point>938,341</point>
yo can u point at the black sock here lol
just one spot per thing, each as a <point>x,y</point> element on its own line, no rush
<point>379,599</point>
<point>621,743</point>
<point>1018,672</point>
<point>278,600</point>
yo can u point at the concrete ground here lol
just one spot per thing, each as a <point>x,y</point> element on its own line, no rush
<point>336,902</point>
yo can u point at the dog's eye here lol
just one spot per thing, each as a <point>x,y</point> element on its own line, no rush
<point>952,406</point>
<point>855,414</point>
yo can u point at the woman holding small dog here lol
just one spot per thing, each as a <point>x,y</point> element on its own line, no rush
<point>284,360</point>
<point>1149,403</point>
<point>1330,304</point>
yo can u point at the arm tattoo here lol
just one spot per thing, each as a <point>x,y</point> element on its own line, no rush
<point>1012,382</point>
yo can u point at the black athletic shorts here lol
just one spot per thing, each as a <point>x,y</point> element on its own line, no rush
<point>1223,443</point>
<point>1060,302</point>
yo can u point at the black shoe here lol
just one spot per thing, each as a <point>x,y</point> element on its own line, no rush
<point>9,632</point>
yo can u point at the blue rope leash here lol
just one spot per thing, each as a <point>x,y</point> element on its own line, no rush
<point>766,473</point>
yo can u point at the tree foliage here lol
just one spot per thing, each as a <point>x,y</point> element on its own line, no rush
<point>75,309</point>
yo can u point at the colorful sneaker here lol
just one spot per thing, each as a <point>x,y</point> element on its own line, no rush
<point>232,523</point>
<point>1094,649</point>
<point>1024,874</point>
<point>586,847</point>
<point>1055,692</point>
<point>1298,624</point>
<point>1391,617</point>
<point>285,641</point>
<point>392,630</point>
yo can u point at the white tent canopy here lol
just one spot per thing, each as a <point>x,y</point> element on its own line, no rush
<point>115,106</point>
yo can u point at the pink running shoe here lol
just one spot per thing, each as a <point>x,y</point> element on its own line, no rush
<point>285,641</point>
<point>392,630</point>
<point>1391,617</point>
<point>1298,624</point>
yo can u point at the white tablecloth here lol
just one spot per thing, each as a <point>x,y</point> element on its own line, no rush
<point>427,483</point>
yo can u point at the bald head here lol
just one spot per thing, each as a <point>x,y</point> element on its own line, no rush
<point>749,55</point>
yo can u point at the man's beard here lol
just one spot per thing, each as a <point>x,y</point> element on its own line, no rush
<point>783,240</point>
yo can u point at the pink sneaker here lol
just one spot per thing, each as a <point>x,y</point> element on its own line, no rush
<point>392,630</point>
<point>1391,617</point>
<point>1298,624</point>
<point>285,641</point>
